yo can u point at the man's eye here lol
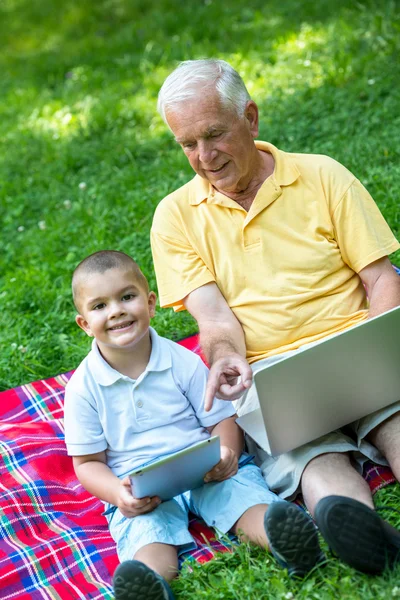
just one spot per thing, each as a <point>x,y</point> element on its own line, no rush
<point>188,145</point>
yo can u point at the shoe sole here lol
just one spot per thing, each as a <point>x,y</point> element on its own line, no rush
<point>135,581</point>
<point>293,538</point>
<point>355,533</point>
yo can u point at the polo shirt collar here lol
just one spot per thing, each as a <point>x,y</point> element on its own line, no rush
<point>200,189</point>
<point>105,375</point>
<point>285,173</point>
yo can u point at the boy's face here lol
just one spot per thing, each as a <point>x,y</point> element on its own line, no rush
<point>115,308</point>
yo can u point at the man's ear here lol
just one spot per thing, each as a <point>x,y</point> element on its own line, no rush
<point>152,299</point>
<point>83,324</point>
<point>251,114</point>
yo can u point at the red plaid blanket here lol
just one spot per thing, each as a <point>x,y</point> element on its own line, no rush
<point>54,542</point>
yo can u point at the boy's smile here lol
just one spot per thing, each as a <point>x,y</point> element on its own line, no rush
<point>121,326</point>
<point>115,309</point>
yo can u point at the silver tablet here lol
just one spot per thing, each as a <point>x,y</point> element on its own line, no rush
<point>177,473</point>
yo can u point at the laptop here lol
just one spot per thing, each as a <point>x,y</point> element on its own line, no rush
<point>327,385</point>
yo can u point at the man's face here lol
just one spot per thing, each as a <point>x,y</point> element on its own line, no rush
<point>115,308</point>
<point>218,144</point>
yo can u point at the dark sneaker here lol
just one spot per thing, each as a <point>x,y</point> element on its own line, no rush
<point>293,538</point>
<point>357,534</point>
<point>133,580</point>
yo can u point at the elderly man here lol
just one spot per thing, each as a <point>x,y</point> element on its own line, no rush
<point>269,251</point>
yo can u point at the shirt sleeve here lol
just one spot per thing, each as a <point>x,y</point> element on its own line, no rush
<point>221,409</point>
<point>83,431</point>
<point>361,231</point>
<point>179,269</point>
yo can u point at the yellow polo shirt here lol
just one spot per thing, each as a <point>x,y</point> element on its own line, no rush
<point>288,267</point>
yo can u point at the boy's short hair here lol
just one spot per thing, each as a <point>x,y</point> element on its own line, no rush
<point>102,261</point>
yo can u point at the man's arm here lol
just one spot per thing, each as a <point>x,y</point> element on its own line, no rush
<point>98,479</point>
<point>383,286</point>
<point>222,341</point>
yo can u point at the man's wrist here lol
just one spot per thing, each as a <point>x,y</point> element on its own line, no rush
<point>224,353</point>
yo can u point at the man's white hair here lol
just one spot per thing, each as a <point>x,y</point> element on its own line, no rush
<point>192,78</point>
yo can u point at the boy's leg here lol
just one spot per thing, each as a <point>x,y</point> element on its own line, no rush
<point>286,530</point>
<point>143,581</point>
<point>250,526</point>
<point>162,558</point>
<point>153,539</point>
<point>245,503</point>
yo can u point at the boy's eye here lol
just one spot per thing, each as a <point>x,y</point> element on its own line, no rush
<point>99,306</point>
<point>128,296</point>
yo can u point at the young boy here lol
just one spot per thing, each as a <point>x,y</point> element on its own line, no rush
<point>138,396</point>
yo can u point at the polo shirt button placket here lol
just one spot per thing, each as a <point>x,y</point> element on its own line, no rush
<point>139,404</point>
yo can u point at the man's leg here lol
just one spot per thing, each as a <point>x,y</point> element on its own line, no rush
<point>332,474</point>
<point>386,437</point>
<point>341,502</point>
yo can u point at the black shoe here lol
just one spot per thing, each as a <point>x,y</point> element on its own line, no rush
<point>133,580</point>
<point>293,538</point>
<point>357,534</point>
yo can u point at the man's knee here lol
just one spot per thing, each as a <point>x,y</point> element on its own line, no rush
<point>387,432</point>
<point>325,464</point>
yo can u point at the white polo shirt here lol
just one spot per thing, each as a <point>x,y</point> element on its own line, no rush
<point>137,421</point>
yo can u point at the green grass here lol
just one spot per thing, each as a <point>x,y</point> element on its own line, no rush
<point>78,87</point>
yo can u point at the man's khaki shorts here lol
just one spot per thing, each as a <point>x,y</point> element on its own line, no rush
<point>283,473</point>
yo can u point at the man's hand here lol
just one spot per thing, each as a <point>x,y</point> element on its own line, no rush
<point>223,343</point>
<point>131,506</point>
<point>229,377</point>
<point>226,468</point>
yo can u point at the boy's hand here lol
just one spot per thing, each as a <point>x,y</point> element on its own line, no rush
<point>131,506</point>
<point>226,468</point>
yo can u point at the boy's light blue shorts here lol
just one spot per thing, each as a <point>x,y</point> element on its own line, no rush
<point>220,504</point>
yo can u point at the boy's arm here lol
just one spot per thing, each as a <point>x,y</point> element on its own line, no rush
<point>232,442</point>
<point>98,479</point>
<point>219,421</point>
<point>230,434</point>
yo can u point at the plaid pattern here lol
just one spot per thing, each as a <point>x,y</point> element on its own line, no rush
<point>54,542</point>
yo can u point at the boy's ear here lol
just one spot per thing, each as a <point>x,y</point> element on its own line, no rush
<point>83,324</point>
<point>152,299</point>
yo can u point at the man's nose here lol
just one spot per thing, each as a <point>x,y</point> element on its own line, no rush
<point>207,152</point>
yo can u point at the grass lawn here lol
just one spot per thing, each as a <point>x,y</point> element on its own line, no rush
<point>86,159</point>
